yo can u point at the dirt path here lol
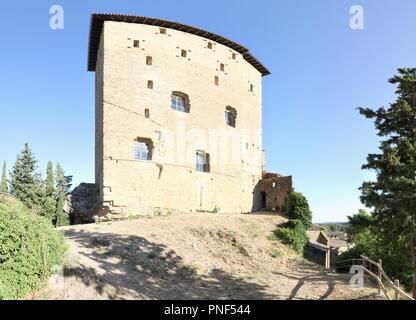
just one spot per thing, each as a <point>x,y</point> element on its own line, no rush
<point>195,256</point>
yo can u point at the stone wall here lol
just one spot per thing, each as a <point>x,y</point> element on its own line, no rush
<point>276,189</point>
<point>127,107</point>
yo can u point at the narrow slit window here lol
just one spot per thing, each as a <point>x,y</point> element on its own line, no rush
<point>217,80</point>
<point>150,84</point>
<point>146,113</point>
<point>251,87</point>
<point>202,161</point>
<point>183,53</point>
<point>136,43</point>
<point>222,67</point>
<point>233,56</point>
<point>149,60</point>
<point>230,116</point>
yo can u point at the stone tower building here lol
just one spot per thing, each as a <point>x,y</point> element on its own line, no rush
<point>178,118</point>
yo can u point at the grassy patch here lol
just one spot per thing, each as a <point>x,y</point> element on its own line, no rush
<point>276,253</point>
<point>272,237</point>
<point>215,210</point>
<point>134,216</point>
<point>102,251</point>
<point>253,230</point>
<point>189,269</point>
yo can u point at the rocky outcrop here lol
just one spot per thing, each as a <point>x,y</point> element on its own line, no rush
<point>82,203</point>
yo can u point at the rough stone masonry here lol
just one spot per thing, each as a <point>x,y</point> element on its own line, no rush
<point>172,102</point>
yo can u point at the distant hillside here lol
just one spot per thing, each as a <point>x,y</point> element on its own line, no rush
<point>335,226</point>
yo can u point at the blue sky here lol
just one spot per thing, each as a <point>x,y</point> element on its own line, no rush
<point>322,70</point>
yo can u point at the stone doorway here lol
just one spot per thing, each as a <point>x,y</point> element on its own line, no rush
<point>263,200</point>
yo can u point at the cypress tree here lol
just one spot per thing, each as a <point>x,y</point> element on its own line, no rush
<point>62,218</point>
<point>63,183</point>
<point>50,180</point>
<point>48,196</point>
<point>3,184</point>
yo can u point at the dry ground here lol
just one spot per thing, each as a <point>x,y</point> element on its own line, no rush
<point>193,256</point>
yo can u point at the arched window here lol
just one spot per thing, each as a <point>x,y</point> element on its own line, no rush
<point>230,116</point>
<point>180,101</point>
<point>143,148</point>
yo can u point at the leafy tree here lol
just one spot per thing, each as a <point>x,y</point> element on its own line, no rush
<point>63,184</point>
<point>393,195</point>
<point>369,241</point>
<point>297,208</point>
<point>22,177</point>
<point>342,227</point>
<point>358,224</point>
<point>3,184</point>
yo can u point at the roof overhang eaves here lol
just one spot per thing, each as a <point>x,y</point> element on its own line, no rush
<point>98,19</point>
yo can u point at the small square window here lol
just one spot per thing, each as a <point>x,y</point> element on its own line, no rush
<point>183,53</point>
<point>143,149</point>
<point>150,84</point>
<point>209,46</point>
<point>136,43</point>
<point>146,113</point>
<point>149,60</point>
<point>178,103</point>
<point>217,80</point>
<point>162,30</point>
<point>222,67</point>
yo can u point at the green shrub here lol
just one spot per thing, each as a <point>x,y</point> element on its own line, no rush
<point>293,233</point>
<point>297,208</point>
<point>29,249</point>
<point>294,224</point>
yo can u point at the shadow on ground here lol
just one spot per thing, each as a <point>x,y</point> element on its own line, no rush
<point>131,267</point>
<point>326,280</point>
